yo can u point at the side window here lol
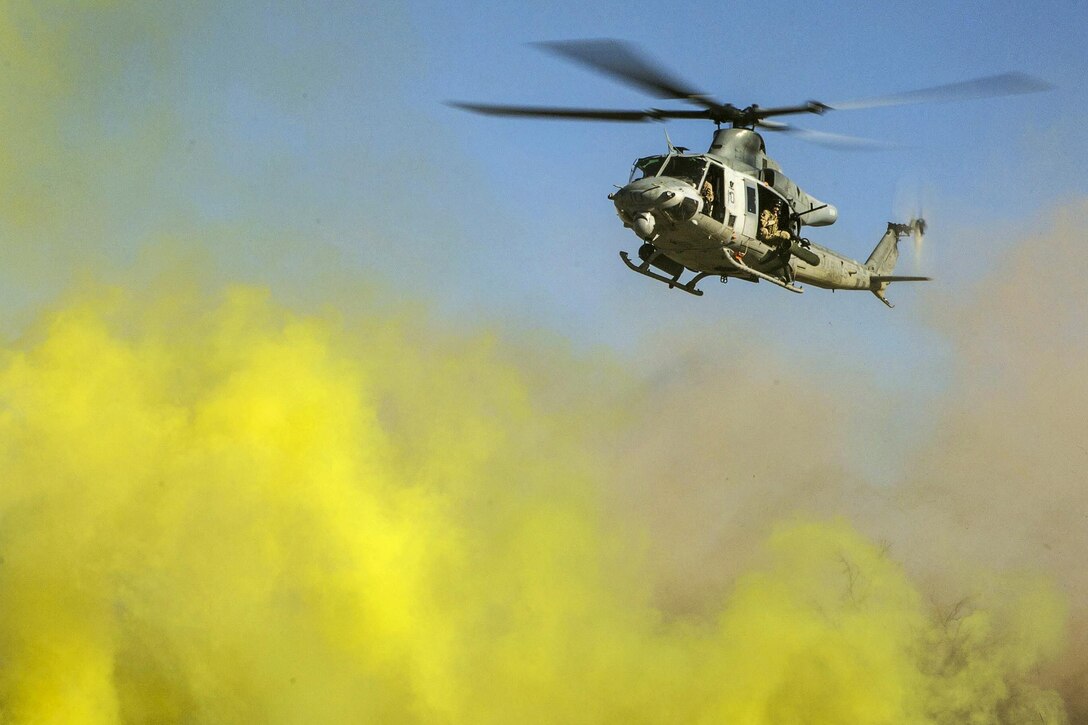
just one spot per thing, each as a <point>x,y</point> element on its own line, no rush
<point>713,192</point>
<point>751,191</point>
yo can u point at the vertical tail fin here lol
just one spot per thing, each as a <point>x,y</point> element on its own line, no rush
<point>886,253</point>
<point>881,263</point>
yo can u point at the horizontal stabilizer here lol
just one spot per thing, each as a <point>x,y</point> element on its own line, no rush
<point>898,278</point>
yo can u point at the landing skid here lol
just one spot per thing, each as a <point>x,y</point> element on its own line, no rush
<point>746,271</point>
<point>743,271</point>
<point>672,282</point>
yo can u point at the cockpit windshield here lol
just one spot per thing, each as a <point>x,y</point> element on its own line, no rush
<point>685,168</point>
<point>646,166</point>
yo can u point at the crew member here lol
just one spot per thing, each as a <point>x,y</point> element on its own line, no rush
<point>778,239</point>
<point>768,226</point>
<point>708,196</point>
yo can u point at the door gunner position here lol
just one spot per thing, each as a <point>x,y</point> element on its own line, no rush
<point>778,239</point>
<point>768,226</point>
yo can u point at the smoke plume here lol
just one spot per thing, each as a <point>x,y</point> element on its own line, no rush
<point>987,518</point>
<point>220,504</point>
<point>224,511</point>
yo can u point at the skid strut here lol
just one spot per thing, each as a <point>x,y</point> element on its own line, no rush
<point>746,272</point>
<point>672,282</point>
<point>740,270</point>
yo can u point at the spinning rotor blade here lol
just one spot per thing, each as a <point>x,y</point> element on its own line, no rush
<point>754,114</point>
<point>622,62</point>
<point>919,225</point>
<point>830,140</point>
<point>911,200</point>
<point>1005,84</point>
<point>577,114</point>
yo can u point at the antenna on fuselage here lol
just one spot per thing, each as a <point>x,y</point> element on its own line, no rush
<point>673,149</point>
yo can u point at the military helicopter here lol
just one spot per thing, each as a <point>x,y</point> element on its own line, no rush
<point>731,212</point>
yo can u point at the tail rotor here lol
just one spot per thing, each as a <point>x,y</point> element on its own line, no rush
<point>910,204</point>
<point>918,232</point>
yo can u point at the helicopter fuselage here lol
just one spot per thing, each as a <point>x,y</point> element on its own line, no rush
<point>704,244</point>
<point>708,213</point>
<point>702,211</point>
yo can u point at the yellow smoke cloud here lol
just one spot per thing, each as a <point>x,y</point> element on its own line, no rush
<point>215,509</point>
<point>227,512</point>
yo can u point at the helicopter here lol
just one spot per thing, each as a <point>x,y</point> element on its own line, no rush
<point>731,212</point>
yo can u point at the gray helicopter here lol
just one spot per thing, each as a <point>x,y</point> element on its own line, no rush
<point>731,212</point>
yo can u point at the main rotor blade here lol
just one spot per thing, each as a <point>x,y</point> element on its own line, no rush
<point>830,140</point>
<point>758,113</point>
<point>1005,84</point>
<point>577,114</point>
<point>622,62</point>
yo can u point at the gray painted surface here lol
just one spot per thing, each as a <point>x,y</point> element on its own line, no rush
<point>666,210</point>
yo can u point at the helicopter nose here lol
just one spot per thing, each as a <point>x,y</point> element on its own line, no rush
<point>641,196</point>
<point>648,195</point>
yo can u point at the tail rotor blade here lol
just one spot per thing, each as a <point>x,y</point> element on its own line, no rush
<point>913,197</point>
<point>918,228</point>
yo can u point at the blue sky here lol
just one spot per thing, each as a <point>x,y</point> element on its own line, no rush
<point>523,203</point>
<point>292,135</point>
<point>326,122</point>
<point>969,159</point>
<point>540,239</point>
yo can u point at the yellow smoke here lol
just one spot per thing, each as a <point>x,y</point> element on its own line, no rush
<point>226,512</point>
<point>215,509</point>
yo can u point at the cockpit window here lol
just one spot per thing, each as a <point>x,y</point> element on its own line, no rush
<point>685,168</point>
<point>647,166</point>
